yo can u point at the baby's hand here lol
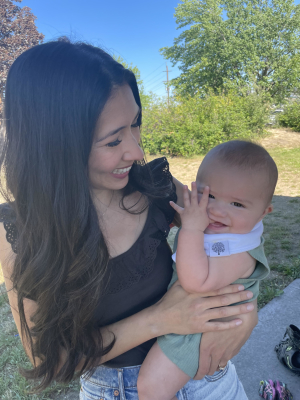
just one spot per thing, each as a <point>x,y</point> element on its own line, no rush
<point>193,215</point>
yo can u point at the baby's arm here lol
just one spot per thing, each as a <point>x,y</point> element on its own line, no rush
<point>198,273</point>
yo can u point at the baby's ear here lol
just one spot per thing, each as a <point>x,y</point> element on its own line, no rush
<point>268,210</point>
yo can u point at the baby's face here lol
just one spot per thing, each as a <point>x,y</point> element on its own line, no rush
<point>237,199</point>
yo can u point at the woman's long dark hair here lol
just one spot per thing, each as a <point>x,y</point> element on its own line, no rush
<point>54,95</point>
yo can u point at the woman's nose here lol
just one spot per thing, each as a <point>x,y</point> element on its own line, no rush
<point>133,151</point>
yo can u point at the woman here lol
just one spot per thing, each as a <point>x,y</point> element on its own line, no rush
<point>83,239</point>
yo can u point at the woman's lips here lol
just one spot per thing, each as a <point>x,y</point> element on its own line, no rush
<point>121,173</point>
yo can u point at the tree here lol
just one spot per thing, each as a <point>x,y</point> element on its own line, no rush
<point>218,248</point>
<point>145,98</point>
<point>17,34</point>
<point>252,44</point>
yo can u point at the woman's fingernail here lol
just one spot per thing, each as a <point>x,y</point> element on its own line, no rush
<point>250,307</point>
<point>249,295</point>
<point>241,288</point>
<point>238,322</point>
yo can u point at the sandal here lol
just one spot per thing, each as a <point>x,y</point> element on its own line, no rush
<point>288,349</point>
<point>282,391</point>
<point>267,390</point>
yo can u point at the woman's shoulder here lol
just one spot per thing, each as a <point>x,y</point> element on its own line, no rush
<point>8,232</point>
<point>7,213</point>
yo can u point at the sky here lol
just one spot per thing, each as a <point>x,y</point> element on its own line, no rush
<point>132,29</point>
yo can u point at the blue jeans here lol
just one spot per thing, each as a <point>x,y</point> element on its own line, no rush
<point>120,384</point>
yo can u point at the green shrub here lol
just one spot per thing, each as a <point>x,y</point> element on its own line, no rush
<point>195,125</point>
<point>290,116</point>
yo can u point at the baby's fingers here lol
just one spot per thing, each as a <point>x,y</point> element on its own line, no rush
<point>176,207</point>
<point>194,195</point>
<point>186,197</point>
<point>204,198</point>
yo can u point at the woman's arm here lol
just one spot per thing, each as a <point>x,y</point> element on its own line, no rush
<point>177,312</point>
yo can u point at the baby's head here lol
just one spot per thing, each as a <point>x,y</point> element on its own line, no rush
<point>241,177</point>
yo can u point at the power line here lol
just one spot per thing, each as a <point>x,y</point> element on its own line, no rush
<point>155,82</point>
<point>158,86</point>
<point>154,77</point>
<point>154,71</point>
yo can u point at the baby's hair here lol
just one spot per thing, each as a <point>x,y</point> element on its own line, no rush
<point>248,156</point>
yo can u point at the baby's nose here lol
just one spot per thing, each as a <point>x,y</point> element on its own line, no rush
<point>216,210</point>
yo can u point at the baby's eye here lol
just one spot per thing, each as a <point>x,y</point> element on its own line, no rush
<point>237,204</point>
<point>211,196</point>
<point>114,143</point>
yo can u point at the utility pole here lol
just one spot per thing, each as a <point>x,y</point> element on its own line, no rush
<point>167,81</point>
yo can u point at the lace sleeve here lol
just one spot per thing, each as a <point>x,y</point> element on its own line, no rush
<point>162,175</point>
<point>7,216</point>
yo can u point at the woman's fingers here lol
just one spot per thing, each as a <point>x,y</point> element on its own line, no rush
<point>185,313</point>
<point>225,290</point>
<point>176,207</point>
<point>227,299</point>
<point>224,312</point>
<point>222,326</point>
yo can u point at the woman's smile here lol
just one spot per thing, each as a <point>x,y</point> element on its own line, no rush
<point>121,173</point>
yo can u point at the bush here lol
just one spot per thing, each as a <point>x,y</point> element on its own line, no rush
<point>195,125</point>
<point>290,116</point>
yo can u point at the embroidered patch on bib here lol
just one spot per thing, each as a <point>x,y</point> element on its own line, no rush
<point>217,249</point>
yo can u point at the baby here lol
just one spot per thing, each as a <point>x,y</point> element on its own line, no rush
<point>219,243</point>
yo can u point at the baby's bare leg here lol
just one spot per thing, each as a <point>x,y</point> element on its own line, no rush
<point>159,378</point>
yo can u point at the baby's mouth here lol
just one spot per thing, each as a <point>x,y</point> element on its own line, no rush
<point>217,224</point>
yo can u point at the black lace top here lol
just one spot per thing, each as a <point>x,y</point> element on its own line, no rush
<point>140,276</point>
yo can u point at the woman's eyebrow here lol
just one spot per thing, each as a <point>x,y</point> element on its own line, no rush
<point>111,133</point>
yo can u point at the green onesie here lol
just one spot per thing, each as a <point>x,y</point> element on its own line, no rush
<point>183,350</point>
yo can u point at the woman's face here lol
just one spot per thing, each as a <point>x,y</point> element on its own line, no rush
<point>116,142</point>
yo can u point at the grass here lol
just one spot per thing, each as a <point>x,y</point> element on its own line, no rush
<point>282,236</point>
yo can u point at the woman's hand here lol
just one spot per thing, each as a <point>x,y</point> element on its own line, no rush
<point>183,313</point>
<point>218,347</point>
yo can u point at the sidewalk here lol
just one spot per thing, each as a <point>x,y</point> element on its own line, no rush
<point>257,360</point>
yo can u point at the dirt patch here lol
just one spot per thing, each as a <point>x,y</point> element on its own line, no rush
<point>281,137</point>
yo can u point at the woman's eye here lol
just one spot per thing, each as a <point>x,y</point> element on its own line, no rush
<point>114,143</point>
<point>138,122</point>
<point>237,204</point>
<point>136,125</point>
<point>211,196</point>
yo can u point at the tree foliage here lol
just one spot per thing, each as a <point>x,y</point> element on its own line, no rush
<point>291,116</point>
<point>252,44</point>
<point>17,34</point>
<point>193,125</point>
<point>145,98</point>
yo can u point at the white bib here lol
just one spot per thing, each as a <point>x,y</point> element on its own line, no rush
<point>225,244</point>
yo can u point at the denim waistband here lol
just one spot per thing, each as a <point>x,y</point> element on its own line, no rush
<point>110,377</point>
